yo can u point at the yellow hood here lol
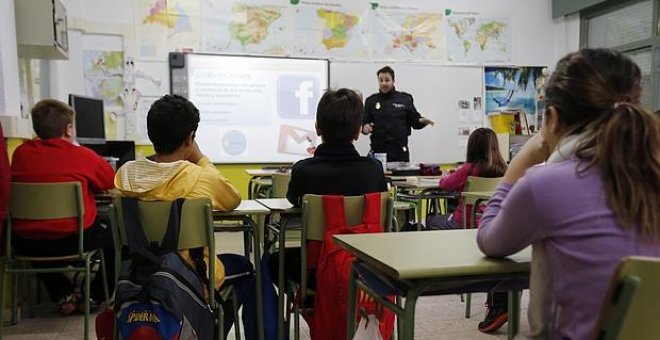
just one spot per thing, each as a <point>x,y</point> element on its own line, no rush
<point>151,181</point>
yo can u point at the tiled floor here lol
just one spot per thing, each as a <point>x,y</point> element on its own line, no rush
<point>437,317</point>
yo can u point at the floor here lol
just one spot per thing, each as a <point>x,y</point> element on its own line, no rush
<point>437,317</point>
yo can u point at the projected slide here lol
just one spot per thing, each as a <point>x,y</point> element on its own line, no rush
<point>255,109</point>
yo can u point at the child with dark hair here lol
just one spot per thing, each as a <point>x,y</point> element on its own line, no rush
<point>483,159</point>
<point>596,199</point>
<point>179,169</point>
<point>336,168</point>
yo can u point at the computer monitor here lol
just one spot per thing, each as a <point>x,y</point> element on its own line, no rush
<point>89,123</point>
<point>120,151</point>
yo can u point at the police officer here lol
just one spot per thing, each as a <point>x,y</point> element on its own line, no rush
<point>388,117</point>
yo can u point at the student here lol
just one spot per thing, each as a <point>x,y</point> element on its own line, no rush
<point>483,159</point>
<point>336,168</point>
<point>388,117</point>
<point>596,199</point>
<point>56,157</point>
<point>180,170</point>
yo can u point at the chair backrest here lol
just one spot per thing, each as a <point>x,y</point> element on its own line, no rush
<point>482,183</point>
<point>631,308</point>
<point>45,201</point>
<point>280,185</point>
<point>313,216</point>
<point>196,222</point>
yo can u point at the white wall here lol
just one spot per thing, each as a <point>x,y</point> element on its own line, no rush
<point>9,81</point>
<point>537,38</point>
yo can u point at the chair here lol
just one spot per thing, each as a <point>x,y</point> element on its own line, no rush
<point>477,184</point>
<point>44,201</point>
<point>631,308</point>
<point>473,185</point>
<point>313,229</point>
<point>196,216</point>
<point>280,185</point>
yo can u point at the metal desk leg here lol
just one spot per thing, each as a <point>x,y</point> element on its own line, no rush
<point>408,331</point>
<point>256,237</point>
<point>514,314</point>
<point>280,280</point>
<point>352,302</point>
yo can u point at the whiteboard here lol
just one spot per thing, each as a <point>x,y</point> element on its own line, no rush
<point>436,90</point>
<point>253,109</point>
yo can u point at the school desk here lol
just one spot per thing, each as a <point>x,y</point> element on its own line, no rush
<point>410,264</point>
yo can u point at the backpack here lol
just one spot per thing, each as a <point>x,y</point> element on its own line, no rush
<point>158,295</point>
<point>334,266</point>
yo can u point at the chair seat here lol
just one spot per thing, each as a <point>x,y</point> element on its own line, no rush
<point>73,257</point>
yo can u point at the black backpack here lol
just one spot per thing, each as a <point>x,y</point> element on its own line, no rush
<point>159,295</point>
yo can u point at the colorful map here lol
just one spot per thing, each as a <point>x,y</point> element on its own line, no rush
<point>254,29</point>
<point>474,39</point>
<point>337,27</point>
<point>162,26</point>
<point>419,30</point>
<point>246,26</point>
<point>410,34</point>
<point>170,15</point>
<point>103,72</point>
<point>329,29</point>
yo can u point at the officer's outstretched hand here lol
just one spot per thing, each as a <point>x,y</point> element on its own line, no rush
<point>426,121</point>
<point>367,128</point>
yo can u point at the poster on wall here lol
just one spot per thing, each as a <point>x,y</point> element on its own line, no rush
<point>406,31</point>
<point>514,89</point>
<point>475,38</point>
<point>162,26</point>
<point>248,26</point>
<point>330,29</point>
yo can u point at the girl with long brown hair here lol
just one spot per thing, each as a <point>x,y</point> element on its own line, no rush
<point>595,200</point>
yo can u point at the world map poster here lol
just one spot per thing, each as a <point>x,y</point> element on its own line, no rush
<point>473,38</point>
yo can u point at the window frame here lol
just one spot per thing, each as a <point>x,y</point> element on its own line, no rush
<point>652,42</point>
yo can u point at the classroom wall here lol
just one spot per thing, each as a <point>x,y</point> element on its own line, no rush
<point>538,40</point>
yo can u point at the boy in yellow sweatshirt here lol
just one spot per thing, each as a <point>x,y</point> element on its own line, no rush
<point>180,170</point>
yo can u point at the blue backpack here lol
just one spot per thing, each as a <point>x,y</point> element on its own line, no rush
<point>158,295</point>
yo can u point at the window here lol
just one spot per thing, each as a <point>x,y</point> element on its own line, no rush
<point>631,28</point>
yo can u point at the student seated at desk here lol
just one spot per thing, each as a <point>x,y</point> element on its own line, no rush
<point>180,170</point>
<point>336,168</point>
<point>56,157</point>
<point>595,200</point>
<point>483,159</point>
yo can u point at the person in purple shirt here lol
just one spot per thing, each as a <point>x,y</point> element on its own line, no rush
<point>595,200</point>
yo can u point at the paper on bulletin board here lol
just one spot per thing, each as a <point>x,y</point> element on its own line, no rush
<point>140,135</point>
<point>463,135</point>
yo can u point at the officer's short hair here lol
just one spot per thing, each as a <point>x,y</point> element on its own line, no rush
<point>386,69</point>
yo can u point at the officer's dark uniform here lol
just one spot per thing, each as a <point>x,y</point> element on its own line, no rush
<point>393,115</point>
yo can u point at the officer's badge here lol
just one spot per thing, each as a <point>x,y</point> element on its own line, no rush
<point>377,106</point>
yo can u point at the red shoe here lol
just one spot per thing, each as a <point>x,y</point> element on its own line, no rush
<point>495,318</point>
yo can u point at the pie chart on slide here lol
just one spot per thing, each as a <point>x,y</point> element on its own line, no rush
<point>234,142</point>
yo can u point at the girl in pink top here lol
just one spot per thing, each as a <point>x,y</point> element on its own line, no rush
<point>483,160</point>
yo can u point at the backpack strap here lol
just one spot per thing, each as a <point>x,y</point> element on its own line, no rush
<point>372,207</point>
<point>333,208</point>
<point>137,240</point>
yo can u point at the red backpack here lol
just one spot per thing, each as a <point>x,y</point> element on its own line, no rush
<point>334,266</point>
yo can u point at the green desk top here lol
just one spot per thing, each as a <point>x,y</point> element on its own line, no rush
<point>278,204</point>
<point>430,254</point>
<point>247,207</point>
<point>478,194</point>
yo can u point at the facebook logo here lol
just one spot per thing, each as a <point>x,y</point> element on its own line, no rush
<point>297,96</point>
